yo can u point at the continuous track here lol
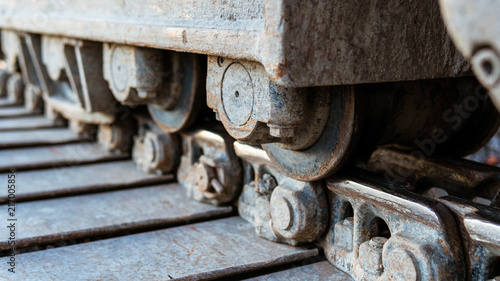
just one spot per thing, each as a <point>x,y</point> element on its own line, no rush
<point>86,214</point>
<point>329,147</point>
<point>75,221</point>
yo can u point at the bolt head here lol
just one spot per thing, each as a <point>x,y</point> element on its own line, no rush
<point>344,234</point>
<point>281,132</point>
<point>370,255</point>
<point>401,265</point>
<point>377,242</point>
<point>282,214</point>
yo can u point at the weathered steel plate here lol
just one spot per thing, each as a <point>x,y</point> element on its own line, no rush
<point>407,41</point>
<point>37,137</point>
<point>61,181</point>
<point>18,111</point>
<point>316,271</point>
<point>26,123</point>
<point>199,251</point>
<point>54,156</point>
<point>54,220</point>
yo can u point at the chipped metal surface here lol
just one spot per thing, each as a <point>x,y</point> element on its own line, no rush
<point>198,251</point>
<point>50,221</point>
<point>63,181</point>
<point>9,139</point>
<point>55,156</point>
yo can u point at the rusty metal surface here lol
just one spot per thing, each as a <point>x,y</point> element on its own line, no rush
<point>50,221</point>
<point>318,271</point>
<point>255,110</point>
<point>10,112</point>
<point>445,175</point>
<point>209,169</point>
<point>197,251</point>
<point>389,233</point>
<point>63,181</point>
<point>311,138</point>
<point>116,137</point>
<point>71,72</point>
<point>38,137</point>
<point>154,150</point>
<point>280,208</point>
<point>480,226</point>
<point>183,93</point>
<point>54,156</point>
<point>27,123</point>
<point>334,48</point>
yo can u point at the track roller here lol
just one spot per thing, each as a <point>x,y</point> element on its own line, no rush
<point>280,208</point>
<point>170,83</point>
<point>311,132</point>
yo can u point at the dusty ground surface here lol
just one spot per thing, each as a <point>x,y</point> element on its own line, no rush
<point>490,154</point>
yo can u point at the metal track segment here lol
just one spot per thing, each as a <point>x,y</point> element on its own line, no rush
<point>320,271</point>
<point>38,137</point>
<point>50,221</point>
<point>27,123</point>
<point>11,112</point>
<point>62,181</point>
<point>54,156</point>
<point>199,251</point>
